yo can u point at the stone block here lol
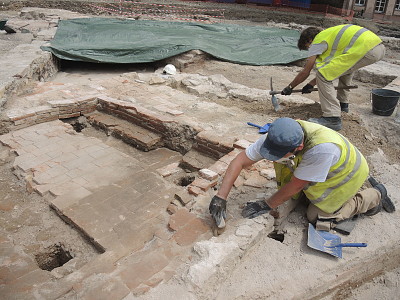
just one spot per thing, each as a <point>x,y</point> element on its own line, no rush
<point>268,173</point>
<point>283,210</point>
<point>255,180</point>
<point>239,181</point>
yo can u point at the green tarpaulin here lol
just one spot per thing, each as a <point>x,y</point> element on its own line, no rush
<point>138,41</point>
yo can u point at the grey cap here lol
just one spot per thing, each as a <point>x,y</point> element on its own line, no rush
<point>284,135</point>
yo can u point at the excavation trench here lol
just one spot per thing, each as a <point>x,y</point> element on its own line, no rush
<point>125,182</point>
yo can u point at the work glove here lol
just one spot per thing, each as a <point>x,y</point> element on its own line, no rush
<point>307,89</point>
<point>287,91</point>
<point>217,209</point>
<point>255,209</point>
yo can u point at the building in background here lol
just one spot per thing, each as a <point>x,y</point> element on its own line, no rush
<point>379,10</point>
<point>385,10</point>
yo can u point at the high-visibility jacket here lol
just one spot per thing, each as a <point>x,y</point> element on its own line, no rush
<point>344,179</point>
<point>347,44</point>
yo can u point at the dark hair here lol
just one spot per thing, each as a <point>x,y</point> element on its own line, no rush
<point>306,36</point>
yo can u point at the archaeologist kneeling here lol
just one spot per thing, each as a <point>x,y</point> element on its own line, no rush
<point>312,159</point>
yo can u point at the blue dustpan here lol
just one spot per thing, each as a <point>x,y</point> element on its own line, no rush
<point>328,242</point>
<point>263,129</point>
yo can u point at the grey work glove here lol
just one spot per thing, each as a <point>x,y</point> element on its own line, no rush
<point>255,209</point>
<point>217,209</point>
<point>307,89</point>
<point>287,91</point>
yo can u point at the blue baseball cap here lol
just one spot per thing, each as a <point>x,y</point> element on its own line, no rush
<point>284,135</point>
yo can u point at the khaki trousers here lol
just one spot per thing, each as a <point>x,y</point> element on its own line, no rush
<point>330,104</point>
<point>359,204</point>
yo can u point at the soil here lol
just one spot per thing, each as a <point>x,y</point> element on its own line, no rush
<point>378,138</point>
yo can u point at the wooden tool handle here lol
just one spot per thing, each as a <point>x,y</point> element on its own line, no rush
<point>315,89</point>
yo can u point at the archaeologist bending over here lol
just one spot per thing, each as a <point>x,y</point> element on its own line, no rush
<point>336,52</point>
<point>307,158</point>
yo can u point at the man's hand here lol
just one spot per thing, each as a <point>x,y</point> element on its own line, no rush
<point>287,91</point>
<point>254,209</point>
<point>307,89</point>
<point>217,209</point>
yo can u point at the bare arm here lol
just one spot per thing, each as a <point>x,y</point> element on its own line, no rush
<point>313,82</point>
<point>240,162</point>
<point>303,74</point>
<point>294,186</point>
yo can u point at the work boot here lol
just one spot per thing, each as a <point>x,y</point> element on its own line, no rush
<point>385,202</point>
<point>373,211</point>
<point>334,123</point>
<point>344,107</point>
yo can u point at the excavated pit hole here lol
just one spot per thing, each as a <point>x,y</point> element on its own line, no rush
<point>55,257</point>
<point>186,180</point>
<point>78,123</point>
<point>277,236</point>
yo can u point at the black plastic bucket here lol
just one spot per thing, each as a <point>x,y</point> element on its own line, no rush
<point>384,101</point>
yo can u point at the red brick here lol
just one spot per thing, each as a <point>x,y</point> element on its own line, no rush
<point>194,160</point>
<point>138,272</point>
<point>208,174</point>
<point>6,205</point>
<point>183,197</point>
<point>194,190</point>
<point>140,290</point>
<point>163,233</point>
<point>204,184</point>
<point>20,116</point>
<point>219,167</point>
<point>241,144</point>
<point>180,219</point>
<point>205,149</point>
<point>209,136</point>
<point>113,288</point>
<point>191,232</point>
<point>148,114</point>
<point>169,170</point>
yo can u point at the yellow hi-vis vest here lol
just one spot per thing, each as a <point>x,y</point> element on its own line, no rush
<point>347,44</point>
<point>344,178</point>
